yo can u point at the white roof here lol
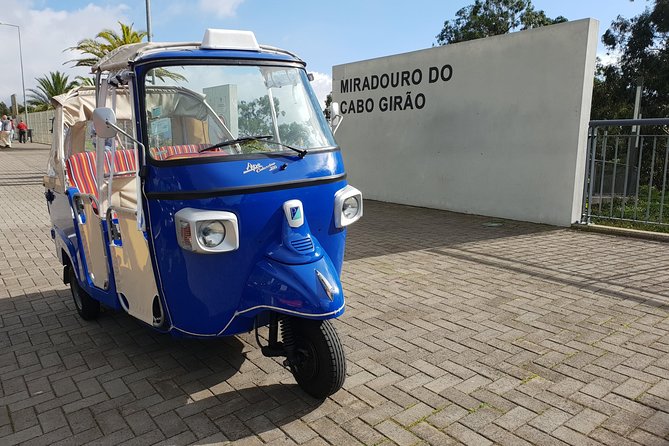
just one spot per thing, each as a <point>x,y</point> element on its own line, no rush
<point>123,56</point>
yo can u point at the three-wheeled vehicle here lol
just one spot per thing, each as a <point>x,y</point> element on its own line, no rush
<point>198,188</point>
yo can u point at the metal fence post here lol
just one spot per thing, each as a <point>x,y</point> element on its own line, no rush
<point>591,180</point>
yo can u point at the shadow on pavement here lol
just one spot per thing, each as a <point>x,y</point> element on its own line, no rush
<point>613,286</point>
<point>117,367</point>
<point>389,228</point>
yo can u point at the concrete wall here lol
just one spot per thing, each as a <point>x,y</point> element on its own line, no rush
<point>40,123</point>
<point>500,132</point>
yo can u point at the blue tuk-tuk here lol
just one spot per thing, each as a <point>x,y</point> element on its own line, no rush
<point>198,187</point>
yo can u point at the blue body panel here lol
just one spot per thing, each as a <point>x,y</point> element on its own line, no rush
<point>221,294</point>
<point>204,292</point>
<point>226,172</point>
<point>68,241</point>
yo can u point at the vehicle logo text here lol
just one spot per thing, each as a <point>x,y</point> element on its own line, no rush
<point>258,167</point>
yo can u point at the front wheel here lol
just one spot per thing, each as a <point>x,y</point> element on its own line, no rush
<point>87,307</point>
<point>316,356</point>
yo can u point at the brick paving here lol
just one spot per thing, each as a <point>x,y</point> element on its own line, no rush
<point>456,333</point>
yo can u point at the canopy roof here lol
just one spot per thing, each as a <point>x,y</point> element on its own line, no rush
<point>122,57</point>
<point>78,105</point>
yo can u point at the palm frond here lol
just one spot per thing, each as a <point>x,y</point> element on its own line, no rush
<point>104,42</point>
<point>54,84</point>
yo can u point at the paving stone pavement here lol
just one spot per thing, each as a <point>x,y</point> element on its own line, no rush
<point>455,333</point>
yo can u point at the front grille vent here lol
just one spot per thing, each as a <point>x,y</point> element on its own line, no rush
<point>303,244</point>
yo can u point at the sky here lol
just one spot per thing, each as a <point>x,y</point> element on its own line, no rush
<point>322,33</point>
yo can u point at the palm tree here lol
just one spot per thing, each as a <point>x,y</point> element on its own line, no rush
<point>54,84</point>
<point>108,40</point>
<point>84,81</point>
<point>104,42</point>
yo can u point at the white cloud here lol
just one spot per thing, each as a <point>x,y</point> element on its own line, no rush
<point>322,85</point>
<point>45,34</point>
<point>220,8</point>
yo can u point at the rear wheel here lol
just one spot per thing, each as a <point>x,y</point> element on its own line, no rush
<point>87,307</point>
<point>317,360</point>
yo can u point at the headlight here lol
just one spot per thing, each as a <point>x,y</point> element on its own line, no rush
<point>207,232</point>
<point>211,233</point>
<point>351,207</point>
<point>348,206</point>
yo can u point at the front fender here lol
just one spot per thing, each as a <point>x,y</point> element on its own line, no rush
<point>295,289</point>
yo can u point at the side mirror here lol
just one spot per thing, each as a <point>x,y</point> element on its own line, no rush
<point>335,116</point>
<point>104,122</point>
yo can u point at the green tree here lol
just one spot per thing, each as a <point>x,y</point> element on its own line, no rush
<point>108,40</point>
<point>255,117</point>
<point>294,134</point>
<point>105,41</point>
<point>642,44</point>
<point>487,18</point>
<point>328,101</point>
<point>611,97</point>
<point>54,84</point>
<point>4,110</point>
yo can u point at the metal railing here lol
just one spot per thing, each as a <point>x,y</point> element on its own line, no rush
<point>626,176</point>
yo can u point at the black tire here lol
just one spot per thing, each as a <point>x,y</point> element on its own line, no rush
<point>87,307</point>
<point>319,365</point>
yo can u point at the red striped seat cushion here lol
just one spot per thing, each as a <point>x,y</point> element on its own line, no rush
<point>124,161</point>
<point>162,153</point>
<point>82,171</point>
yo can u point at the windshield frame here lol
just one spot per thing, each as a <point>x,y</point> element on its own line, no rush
<point>142,70</point>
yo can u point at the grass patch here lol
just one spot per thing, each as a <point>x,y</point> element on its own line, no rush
<point>638,225</point>
<point>477,408</point>
<point>529,378</point>
<point>645,213</point>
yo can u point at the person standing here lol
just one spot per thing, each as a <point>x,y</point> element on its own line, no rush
<point>23,128</point>
<point>5,132</point>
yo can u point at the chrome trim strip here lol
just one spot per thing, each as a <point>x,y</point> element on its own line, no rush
<point>267,307</point>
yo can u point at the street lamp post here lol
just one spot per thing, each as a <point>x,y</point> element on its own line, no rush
<point>23,81</point>
<point>148,20</point>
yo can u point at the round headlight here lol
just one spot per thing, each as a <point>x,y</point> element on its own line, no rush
<point>211,233</point>
<point>351,207</point>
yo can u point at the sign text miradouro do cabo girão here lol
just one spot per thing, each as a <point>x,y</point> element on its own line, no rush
<point>398,79</point>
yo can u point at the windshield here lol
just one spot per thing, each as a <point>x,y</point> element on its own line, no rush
<point>193,107</point>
